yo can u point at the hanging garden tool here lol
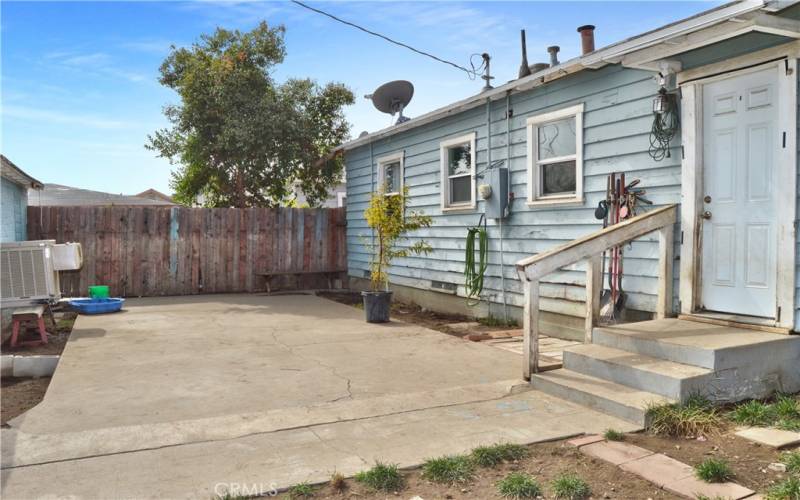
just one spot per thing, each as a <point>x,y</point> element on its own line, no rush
<point>473,276</point>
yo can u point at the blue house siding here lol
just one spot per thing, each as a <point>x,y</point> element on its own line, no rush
<point>797,212</point>
<point>14,211</point>
<point>617,120</point>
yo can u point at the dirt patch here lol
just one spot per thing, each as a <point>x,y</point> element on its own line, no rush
<point>20,395</point>
<point>748,460</point>
<point>451,324</point>
<point>547,460</point>
<point>59,334</point>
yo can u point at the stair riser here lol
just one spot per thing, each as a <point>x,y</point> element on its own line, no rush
<point>599,403</point>
<point>661,350</point>
<point>670,387</point>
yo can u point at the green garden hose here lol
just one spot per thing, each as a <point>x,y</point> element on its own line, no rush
<point>474,277</point>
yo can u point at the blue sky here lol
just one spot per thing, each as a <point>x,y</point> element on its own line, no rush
<point>79,79</point>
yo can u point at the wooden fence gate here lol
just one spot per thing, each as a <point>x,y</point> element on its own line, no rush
<point>152,251</point>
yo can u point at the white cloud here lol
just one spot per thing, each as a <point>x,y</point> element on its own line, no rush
<point>67,118</point>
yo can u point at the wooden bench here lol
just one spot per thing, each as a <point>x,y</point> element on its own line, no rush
<point>26,314</point>
<point>329,275</point>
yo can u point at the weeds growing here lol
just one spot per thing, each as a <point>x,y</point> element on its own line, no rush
<point>788,489</point>
<point>791,459</point>
<point>302,490</point>
<point>338,482</point>
<point>449,469</point>
<point>494,455</point>
<point>384,477</point>
<point>519,485</point>
<point>614,435</point>
<point>571,487</point>
<point>714,470</point>
<point>696,417</point>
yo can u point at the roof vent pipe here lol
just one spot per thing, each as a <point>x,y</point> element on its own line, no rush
<point>524,70</point>
<point>587,38</point>
<point>553,50</point>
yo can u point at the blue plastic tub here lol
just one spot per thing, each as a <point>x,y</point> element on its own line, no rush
<point>96,306</point>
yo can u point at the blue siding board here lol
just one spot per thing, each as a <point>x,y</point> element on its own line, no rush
<point>14,200</point>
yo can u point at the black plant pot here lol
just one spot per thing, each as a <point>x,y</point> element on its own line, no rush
<point>376,306</point>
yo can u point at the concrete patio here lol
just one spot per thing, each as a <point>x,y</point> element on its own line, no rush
<point>177,396</point>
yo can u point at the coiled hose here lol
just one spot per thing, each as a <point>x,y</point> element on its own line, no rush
<point>474,277</point>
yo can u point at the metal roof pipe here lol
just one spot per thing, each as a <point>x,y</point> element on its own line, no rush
<point>524,70</point>
<point>587,38</point>
<point>553,50</point>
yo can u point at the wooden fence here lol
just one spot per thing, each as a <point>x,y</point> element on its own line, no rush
<point>151,251</point>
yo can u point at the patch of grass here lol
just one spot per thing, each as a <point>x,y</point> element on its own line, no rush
<point>495,321</point>
<point>302,490</point>
<point>614,435</point>
<point>571,487</point>
<point>714,470</point>
<point>788,489</point>
<point>337,482</point>
<point>494,455</point>
<point>450,469</point>
<point>696,417</point>
<point>753,413</point>
<point>519,485</point>
<point>384,477</point>
<point>792,461</point>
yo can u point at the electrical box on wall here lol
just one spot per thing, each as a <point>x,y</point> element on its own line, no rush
<point>497,199</point>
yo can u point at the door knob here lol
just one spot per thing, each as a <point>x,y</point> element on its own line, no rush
<point>707,199</point>
<point>706,215</point>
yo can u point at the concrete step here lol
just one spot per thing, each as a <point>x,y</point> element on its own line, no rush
<point>666,378</point>
<point>699,344</point>
<point>614,399</point>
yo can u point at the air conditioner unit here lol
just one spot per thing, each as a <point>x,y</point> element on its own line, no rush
<point>27,273</point>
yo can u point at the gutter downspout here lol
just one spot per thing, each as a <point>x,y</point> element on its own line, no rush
<point>508,189</point>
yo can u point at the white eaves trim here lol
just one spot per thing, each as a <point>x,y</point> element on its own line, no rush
<point>597,59</point>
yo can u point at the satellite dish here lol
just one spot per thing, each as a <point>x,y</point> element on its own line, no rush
<point>393,97</point>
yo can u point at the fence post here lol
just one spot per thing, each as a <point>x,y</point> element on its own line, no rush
<point>594,285</point>
<point>665,261</point>
<point>531,329</point>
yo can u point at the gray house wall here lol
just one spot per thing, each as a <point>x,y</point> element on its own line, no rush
<point>617,121</point>
<point>13,214</point>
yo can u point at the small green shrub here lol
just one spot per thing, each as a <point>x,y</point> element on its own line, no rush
<point>450,469</point>
<point>693,418</point>
<point>788,489</point>
<point>571,487</point>
<point>714,470</point>
<point>302,490</point>
<point>384,477</point>
<point>792,461</point>
<point>787,407</point>
<point>614,435</point>
<point>494,455</point>
<point>519,485</point>
<point>753,413</point>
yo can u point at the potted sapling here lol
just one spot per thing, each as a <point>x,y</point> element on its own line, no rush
<point>390,221</point>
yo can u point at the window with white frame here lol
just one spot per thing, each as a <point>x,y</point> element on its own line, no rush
<point>555,156</point>
<point>390,173</point>
<point>458,172</point>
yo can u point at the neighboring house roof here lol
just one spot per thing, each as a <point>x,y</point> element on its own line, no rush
<point>154,194</point>
<point>16,175</point>
<point>67,196</point>
<point>749,15</point>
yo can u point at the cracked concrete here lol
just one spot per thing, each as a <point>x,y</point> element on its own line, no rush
<point>178,394</point>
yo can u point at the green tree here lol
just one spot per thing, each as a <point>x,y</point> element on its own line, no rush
<point>239,138</point>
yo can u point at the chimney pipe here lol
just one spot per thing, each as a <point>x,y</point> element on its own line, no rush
<point>587,38</point>
<point>524,70</point>
<point>553,50</point>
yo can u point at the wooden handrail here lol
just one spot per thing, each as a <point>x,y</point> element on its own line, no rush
<point>579,249</point>
<point>590,249</point>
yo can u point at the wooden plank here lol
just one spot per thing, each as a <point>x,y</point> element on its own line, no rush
<point>530,327</point>
<point>665,261</point>
<point>594,287</point>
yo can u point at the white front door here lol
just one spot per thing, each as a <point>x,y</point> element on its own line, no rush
<point>739,225</point>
